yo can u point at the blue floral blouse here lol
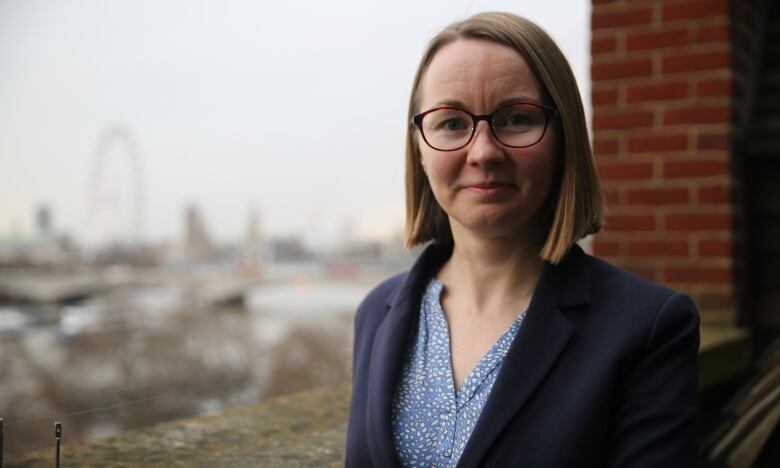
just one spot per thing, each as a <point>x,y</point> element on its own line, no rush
<point>431,421</point>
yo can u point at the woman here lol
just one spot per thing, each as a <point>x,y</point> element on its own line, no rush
<point>505,344</point>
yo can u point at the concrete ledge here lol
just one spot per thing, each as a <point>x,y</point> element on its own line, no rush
<point>305,429</point>
<point>724,353</point>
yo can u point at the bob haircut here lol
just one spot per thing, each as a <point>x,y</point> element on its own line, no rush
<point>575,206</point>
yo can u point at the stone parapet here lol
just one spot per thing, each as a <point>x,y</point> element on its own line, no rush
<point>301,430</point>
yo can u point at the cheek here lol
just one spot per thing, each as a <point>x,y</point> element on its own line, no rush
<point>441,169</point>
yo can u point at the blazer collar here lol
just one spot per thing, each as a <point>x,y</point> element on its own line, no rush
<point>537,346</point>
<point>541,339</point>
<point>390,343</point>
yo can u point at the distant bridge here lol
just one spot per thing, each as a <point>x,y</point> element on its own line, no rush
<point>64,288</point>
<point>46,288</point>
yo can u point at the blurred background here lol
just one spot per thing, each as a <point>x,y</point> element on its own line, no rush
<point>195,196</point>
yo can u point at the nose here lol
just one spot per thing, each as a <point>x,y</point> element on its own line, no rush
<point>485,150</point>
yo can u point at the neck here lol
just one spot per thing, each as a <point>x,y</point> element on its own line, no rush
<point>492,269</point>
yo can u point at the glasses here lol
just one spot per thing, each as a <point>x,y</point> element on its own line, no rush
<point>517,125</point>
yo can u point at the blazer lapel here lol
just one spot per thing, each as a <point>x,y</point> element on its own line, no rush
<point>541,339</point>
<point>390,343</point>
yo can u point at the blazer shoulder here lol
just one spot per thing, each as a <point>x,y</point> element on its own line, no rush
<point>622,284</point>
<point>650,313</point>
<point>374,306</point>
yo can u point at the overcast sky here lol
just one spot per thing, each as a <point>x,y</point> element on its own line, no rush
<point>295,108</point>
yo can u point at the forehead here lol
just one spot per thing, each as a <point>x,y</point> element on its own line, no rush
<point>479,74</point>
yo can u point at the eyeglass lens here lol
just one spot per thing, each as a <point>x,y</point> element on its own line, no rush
<point>517,125</point>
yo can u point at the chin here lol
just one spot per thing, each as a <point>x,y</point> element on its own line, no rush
<point>493,223</point>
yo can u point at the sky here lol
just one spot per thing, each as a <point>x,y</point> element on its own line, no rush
<point>295,110</point>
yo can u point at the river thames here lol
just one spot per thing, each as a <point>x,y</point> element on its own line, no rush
<point>137,355</point>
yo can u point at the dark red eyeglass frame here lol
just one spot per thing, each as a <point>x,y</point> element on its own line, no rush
<point>549,113</point>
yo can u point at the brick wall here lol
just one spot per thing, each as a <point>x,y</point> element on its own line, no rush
<point>662,84</point>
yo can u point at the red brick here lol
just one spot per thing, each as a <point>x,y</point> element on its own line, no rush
<point>603,45</point>
<point>695,61</point>
<point>698,274</point>
<point>656,39</point>
<point>713,33</point>
<point>664,91</point>
<point>621,69</point>
<point>698,221</point>
<point>622,120</point>
<point>657,248</point>
<point>657,143</point>
<point>695,9</point>
<point>700,114</point>
<point>604,146</point>
<point>715,194</point>
<point>621,18</point>
<point>696,168</point>
<point>627,222</point>
<point>657,196</point>
<point>606,247</point>
<point>714,87</point>
<point>607,96</point>
<point>621,170</point>
<point>714,141</point>
<point>611,196</point>
<point>715,248</point>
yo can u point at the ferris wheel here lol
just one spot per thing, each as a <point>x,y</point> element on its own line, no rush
<point>116,191</point>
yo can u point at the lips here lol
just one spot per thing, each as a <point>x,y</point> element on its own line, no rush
<point>490,185</point>
<point>490,188</point>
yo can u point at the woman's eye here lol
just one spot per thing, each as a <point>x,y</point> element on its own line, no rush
<point>518,120</point>
<point>454,125</point>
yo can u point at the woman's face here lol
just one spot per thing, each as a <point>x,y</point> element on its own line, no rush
<point>486,188</point>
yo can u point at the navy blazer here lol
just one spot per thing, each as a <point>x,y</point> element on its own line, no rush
<point>603,372</point>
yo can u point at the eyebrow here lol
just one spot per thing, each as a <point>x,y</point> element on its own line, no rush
<point>505,102</point>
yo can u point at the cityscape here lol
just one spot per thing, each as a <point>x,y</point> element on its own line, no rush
<point>112,337</point>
